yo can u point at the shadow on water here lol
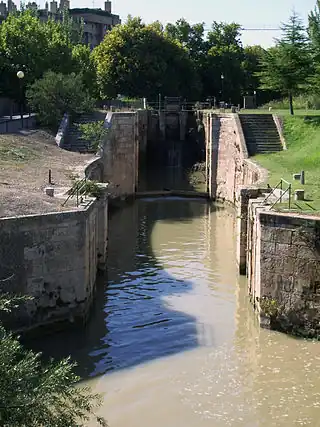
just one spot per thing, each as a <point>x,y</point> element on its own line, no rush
<point>131,321</point>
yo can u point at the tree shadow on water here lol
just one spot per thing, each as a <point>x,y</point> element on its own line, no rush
<point>132,320</point>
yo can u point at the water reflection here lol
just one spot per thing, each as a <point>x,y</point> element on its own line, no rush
<point>173,340</point>
<point>136,317</point>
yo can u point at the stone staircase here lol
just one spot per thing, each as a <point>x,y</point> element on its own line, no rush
<point>261,133</point>
<point>74,142</point>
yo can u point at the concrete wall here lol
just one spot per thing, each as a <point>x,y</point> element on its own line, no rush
<point>53,258</point>
<point>284,270</point>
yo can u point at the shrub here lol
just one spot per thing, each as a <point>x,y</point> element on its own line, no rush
<point>55,94</point>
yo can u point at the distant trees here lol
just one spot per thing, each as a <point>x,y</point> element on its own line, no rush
<point>287,66</point>
<point>180,59</point>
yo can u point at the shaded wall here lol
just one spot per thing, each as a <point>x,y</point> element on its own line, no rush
<point>53,258</point>
<point>283,270</point>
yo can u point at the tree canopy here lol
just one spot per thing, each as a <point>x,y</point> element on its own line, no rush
<point>138,60</point>
<point>286,66</point>
<point>180,59</point>
<point>34,47</point>
<point>55,94</point>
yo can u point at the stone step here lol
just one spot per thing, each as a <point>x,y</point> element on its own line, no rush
<point>262,136</point>
<point>260,133</point>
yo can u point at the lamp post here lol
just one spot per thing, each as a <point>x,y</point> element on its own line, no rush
<point>222,87</point>
<point>20,75</point>
<point>255,98</point>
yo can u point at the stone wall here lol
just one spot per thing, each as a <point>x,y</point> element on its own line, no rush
<point>62,131</point>
<point>120,153</point>
<point>142,132</point>
<point>53,258</point>
<point>280,128</point>
<point>228,166</point>
<point>284,270</point>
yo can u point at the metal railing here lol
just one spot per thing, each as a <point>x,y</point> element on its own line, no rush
<point>14,123</point>
<point>283,192</point>
<point>77,190</point>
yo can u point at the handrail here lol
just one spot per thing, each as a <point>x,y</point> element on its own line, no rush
<point>282,192</point>
<point>76,190</point>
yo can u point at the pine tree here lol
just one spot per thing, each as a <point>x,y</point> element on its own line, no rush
<point>287,65</point>
<point>36,395</point>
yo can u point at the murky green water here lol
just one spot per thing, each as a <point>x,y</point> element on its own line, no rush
<point>173,341</point>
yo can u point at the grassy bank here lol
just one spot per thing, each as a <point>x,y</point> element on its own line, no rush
<point>282,112</point>
<point>303,142</point>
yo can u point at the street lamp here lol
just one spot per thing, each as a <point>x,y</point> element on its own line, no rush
<point>222,87</point>
<point>20,75</point>
<point>255,98</point>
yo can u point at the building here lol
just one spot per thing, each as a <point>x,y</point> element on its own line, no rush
<point>97,22</point>
<point>5,9</point>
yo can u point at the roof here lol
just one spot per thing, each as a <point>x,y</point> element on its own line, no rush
<point>80,10</point>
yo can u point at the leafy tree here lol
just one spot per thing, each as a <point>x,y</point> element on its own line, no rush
<point>83,64</point>
<point>138,60</point>
<point>35,47</point>
<point>287,66</point>
<point>191,37</point>
<point>73,29</point>
<point>56,94</point>
<point>251,66</point>
<point>225,57</point>
<point>33,394</point>
<point>94,132</point>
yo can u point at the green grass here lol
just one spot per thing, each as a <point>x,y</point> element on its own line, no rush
<point>284,113</point>
<point>302,135</point>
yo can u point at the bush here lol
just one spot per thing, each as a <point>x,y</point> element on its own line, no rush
<point>35,395</point>
<point>55,94</point>
<point>94,132</point>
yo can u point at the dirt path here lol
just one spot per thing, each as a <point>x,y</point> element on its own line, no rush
<point>25,160</point>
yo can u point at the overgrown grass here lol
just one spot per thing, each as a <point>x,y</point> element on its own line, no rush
<point>302,135</point>
<point>12,152</point>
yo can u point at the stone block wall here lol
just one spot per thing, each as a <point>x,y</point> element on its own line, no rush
<point>53,258</point>
<point>284,272</point>
<point>120,154</point>
<point>142,131</point>
<point>228,166</point>
<point>246,195</point>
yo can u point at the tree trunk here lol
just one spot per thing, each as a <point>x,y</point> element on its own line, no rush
<point>291,104</point>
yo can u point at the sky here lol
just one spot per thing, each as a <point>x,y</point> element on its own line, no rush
<point>269,13</point>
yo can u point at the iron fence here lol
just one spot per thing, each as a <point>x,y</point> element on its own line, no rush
<point>283,192</point>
